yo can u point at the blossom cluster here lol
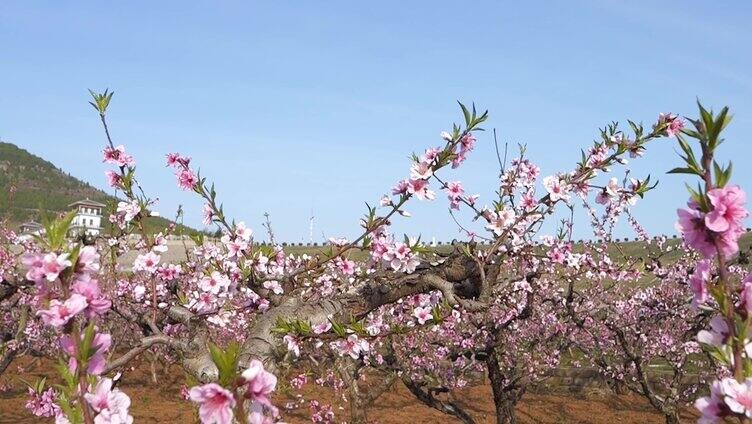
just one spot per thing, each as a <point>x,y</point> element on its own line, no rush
<point>67,284</point>
<point>440,320</point>
<point>217,404</point>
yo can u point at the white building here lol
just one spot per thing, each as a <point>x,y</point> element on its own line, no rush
<point>88,217</point>
<point>29,230</point>
<point>32,227</point>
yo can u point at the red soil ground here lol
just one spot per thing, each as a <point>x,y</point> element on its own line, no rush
<point>161,403</point>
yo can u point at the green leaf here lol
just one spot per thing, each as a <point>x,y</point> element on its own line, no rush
<point>718,125</point>
<point>86,351</point>
<point>722,176</point>
<point>466,113</point>
<point>226,361</point>
<point>338,328</point>
<point>683,171</point>
<point>706,118</point>
<point>101,100</point>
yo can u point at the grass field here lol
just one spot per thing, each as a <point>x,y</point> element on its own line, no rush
<point>617,250</point>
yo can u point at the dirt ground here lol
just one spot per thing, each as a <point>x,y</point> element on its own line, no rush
<point>161,403</point>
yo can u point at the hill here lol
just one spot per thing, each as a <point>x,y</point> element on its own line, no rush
<point>42,187</point>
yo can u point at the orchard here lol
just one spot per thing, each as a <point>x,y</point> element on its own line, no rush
<point>245,321</point>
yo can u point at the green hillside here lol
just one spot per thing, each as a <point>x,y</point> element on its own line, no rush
<point>42,187</point>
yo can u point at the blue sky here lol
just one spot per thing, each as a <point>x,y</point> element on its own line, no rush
<point>297,106</point>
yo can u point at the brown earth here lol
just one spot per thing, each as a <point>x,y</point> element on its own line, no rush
<point>161,403</point>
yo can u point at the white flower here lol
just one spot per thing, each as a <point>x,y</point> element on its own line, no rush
<point>147,262</point>
<point>556,188</point>
<point>129,209</point>
<point>612,188</point>
<point>423,314</point>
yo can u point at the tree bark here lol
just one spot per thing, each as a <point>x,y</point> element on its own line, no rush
<point>671,416</point>
<point>263,344</point>
<point>505,396</point>
<point>505,413</point>
<point>358,411</point>
<point>10,353</point>
<point>6,359</point>
<point>449,408</point>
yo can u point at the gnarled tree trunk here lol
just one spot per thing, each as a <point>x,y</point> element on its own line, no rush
<point>449,408</point>
<point>505,395</point>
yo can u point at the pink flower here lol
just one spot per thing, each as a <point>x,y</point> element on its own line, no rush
<point>274,286</point>
<point>612,188</point>
<point>698,283</point>
<point>256,414</point>
<point>467,142</point>
<point>42,404</point>
<point>458,159</point>
<point>556,188</point>
<point>89,288</point>
<point>728,242</point>
<point>61,418</point>
<point>235,247</point>
<point>728,208</point>
<point>243,232</point>
<point>322,328</point>
<point>147,262</point>
<point>711,408</point>
<point>160,244</point>
<point>346,266</point>
<point>597,156</point>
<point>117,156</point>
<point>169,272</point>
<point>528,202</point>
<point>113,178</point>
<point>88,260</point>
<point>203,303</point>
<point>556,255</point>
<point>292,344</point>
<point>52,265</point>
<point>718,333</point>
<point>128,210</point>
<point>215,403</point>
<point>673,123</point>
<point>499,220</point>
<point>421,171</point>
<point>214,283</point>
<point>100,344</point>
<point>738,396</point>
<point>430,155</point>
<point>746,295</point>
<point>97,362</point>
<point>351,346</point>
<point>400,187</point>
<point>59,313</point>
<point>35,265</point>
<point>186,179</point>
<point>454,192</point>
<point>602,198</point>
<point>400,258</point>
<point>420,189</point>
<point>111,404</point>
<point>207,215</point>
<point>423,314</point>
<point>259,383</point>
<point>174,159</point>
<point>692,227</point>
